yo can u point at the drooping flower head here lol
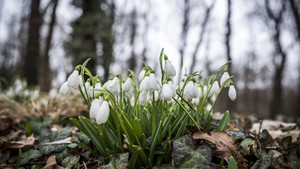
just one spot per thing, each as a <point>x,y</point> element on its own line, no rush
<point>166,92</point>
<point>73,80</point>
<point>224,77</point>
<point>232,92</point>
<point>65,89</point>
<point>103,113</point>
<point>169,68</point>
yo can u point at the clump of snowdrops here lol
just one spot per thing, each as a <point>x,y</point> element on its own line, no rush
<point>143,114</point>
<point>20,91</point>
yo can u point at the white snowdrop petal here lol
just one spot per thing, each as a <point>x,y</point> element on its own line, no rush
<point>166,92</point>
<point>143,98</point>
<point>152,82</point>
<point>73,80</point>
<point>172,87</point>
<point>127,85</point>
<point>142,74</point>
<point>169,68</point>
<point>103,113</point>
<point>64,89</point>
<point>224,77</point>
<point>232,93</point>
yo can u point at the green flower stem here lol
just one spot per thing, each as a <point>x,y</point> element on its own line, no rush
<point>153,114</point>
<point>195,123</point>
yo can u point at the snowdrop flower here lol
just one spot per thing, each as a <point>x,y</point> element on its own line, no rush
<point>103,113</point>
<point>143,99</point>
<point>197,100</point>
<point>142,74</point>
<point>152,82</point>
<point>88,88</point>
<point>95,107</point>
<point>190,90</point>
<point>130,93</point>
<point>213,98</point>
<point>73,79</point>
<point>166,92</point>
<point>169,68</point>
<point>112,85</point>
<point>224,77</point>
<point>145,84</point>
<point>98,87</point>
<point>65,89</point>
<point>172,87</point>
<point>132,101</point>
<point>214,89</point>
<point>127,85</point>
<point>156,95</point>
<point>232,92</point>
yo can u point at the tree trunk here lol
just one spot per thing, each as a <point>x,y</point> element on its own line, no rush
<point>184,32</point>
<point>276,101</point>
<point>33,44</point>
<point>228,35</point>
<point>199,42</point>
<point>45,71</point>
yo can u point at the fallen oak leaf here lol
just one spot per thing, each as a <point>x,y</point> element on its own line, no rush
<point>50,162</point>
<point>225,145</point>
<point>29,141</point>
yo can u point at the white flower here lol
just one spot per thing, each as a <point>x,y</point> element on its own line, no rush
<point>113,85</point>
<point>224,77</point>
<point>213,98</point>
<point>98,87</point>
<point>169,68</point>
<point>156,95</point>
<point>190,91</point>
<point>130,93</point>
<point>145,84</point>
<point>232,93</point>
<point>65,89</point>
<point>95,107</point>
<point>142,74</point>
<point>143,98</point>
<point>197,100</point>
<point>127,85</point>
<point>214,89</point>
<point>103,113</point>
<point>73,80</point>
<point>166,92</point>
<point>132,101</point>
<point>88,89</point>
<point>152,82</point>
<point>172,87</point>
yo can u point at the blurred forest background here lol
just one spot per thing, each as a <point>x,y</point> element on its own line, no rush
<point>42,41</point>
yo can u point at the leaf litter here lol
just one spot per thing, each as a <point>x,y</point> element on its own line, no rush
<point>48,140</point>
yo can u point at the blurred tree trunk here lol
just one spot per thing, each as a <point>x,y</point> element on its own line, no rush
<point>32,53</point>
<point>45,71</point>
<point>231,105</point>
<point>107,38</point>
<point>228,35</point>
<point>295,10</point>
<point>201,36</point>
<point>184,33</point>
<point>276,102</point>
<point>132,62</point>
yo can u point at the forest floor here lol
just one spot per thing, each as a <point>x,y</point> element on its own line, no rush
<point>38,134</point>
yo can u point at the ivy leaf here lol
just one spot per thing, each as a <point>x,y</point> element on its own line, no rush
<point>185,155</point>
<point>69,162</point>
<point>118,162</point>
<point>30,155</point>
<point>52,137</point>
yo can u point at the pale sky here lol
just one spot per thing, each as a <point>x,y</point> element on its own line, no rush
<point>165,18</point>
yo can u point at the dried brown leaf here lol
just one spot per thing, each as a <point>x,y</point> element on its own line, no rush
<point>225,145</point>
<point>29,141</point>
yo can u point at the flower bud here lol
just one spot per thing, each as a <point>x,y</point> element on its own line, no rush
<point>73,80</point>
<point>224,77</point>
<point>64,89</point>
<point>103,113</point>
<point>166,92</point>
